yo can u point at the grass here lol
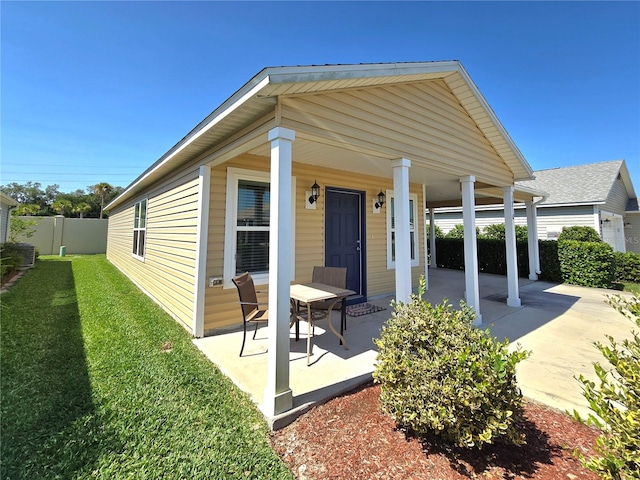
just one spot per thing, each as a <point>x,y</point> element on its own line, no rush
<point>632,287</point>
<point>97,381</point>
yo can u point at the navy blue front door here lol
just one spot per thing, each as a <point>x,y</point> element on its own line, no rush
<point>344,239</point>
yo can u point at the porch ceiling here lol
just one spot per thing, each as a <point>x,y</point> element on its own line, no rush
<point>443,188</point>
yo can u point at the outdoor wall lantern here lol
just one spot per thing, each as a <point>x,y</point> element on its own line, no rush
<point>315,192</point>
<point>381,199</point>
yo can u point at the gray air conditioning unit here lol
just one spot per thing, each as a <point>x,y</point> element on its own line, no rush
<point>28,253</point>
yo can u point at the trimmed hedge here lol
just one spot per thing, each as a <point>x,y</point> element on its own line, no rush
<point>627,267</point>
<point>589,264</point>
<point>491,255</point>
<point>549,262</point>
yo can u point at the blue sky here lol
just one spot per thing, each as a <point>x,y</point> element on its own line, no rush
<point>97,91</point>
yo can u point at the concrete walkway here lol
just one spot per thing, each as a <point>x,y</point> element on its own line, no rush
<point>557,323</point>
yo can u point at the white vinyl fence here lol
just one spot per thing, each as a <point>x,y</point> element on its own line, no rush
<point>77,235</point>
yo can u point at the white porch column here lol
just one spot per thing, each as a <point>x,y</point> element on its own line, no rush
<point>532,240</point>
<point>278,397</point>
<point>513,297</point>
<point>204,188</point>
<point>432,237</point>
<point>403,241</point>
<point>472,288</point>
<point>426,243</point>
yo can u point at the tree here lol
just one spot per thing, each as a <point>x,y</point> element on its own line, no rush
<point>497,232</point>
<point>439,233</point>
<point>102,190</point>
<point>28,209</point>
<point>81,208</point>
<point>62,206</point>
<point>458,232</point>
<point>29,193</point>
<point>51,193</point>
<point>20,228</point>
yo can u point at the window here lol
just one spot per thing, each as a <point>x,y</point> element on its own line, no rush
<point>247,225</point>
<point>139,228</point>
<point>391,231</point>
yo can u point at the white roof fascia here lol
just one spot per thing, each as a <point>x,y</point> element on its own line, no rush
<point>575,204</point>
<point>245,93</point>
<point>319,73</point>
<point>7,200</point>
<point>626,178</point>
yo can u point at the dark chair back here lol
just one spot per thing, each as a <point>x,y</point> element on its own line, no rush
<point>247,293</point>
<point>334,276</point>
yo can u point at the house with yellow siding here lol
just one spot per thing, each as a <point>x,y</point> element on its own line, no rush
<point>235,194</point>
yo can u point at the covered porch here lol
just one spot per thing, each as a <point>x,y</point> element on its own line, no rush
<point>334,370</point>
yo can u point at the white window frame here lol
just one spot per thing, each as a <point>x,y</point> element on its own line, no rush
<point>415,260</point>
<point>234,175</point>
<point>139,228</point>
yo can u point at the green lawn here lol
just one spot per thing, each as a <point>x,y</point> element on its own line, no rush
<point>632,287</point>
<point>98,382</point>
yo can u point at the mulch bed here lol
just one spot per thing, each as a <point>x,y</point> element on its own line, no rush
<point>349,438</point>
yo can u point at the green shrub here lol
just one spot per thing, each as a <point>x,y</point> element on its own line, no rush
<point>10,258</point>
<point>579,234</point>
<point>627,267</point>
<point>616,402</point>
<point>589,264</point>
<point>441,378</point>
<point>21,229</point>
<point>458,232</point>
<point>438,230</point>
<point>491,255</point>
<point>549,262</point>
<point>497,232</point>
<point>450,253</point>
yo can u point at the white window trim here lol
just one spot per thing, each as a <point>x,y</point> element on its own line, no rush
<point>146,222</point>
<point>230,238</point>
<point>415,262</point>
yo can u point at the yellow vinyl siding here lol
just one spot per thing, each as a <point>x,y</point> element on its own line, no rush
<point>222,307</point>
<point>423,122</point>
<point>167,272</point>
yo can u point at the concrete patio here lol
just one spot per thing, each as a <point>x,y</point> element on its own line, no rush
<point>558,323</point>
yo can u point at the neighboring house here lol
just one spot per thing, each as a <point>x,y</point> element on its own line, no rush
<point>6,205</point>
<point>598,195</point>
<point>234,194</point>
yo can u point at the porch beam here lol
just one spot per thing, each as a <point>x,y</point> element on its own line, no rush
<point>532,240</point>
<point>278,397</point>
<point>400,168</point>
<point>472,285</point>
<point>513,293</point>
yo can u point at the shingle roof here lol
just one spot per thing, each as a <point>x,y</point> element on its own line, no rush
<point>589,183</point>
<point>632,205</point>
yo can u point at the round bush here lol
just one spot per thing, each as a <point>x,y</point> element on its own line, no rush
<point>442,378</point>
<point>579,234</point>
